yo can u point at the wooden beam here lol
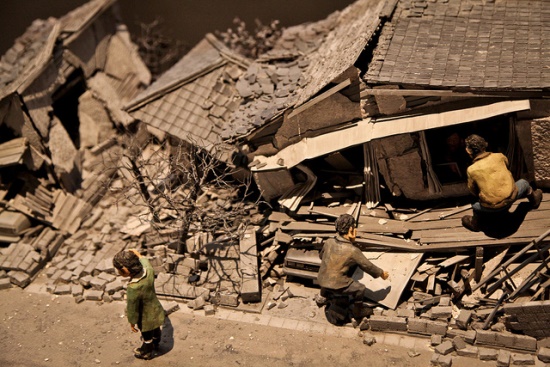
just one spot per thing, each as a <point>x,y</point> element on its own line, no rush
<point>448,93</point>
<point>320,98</point>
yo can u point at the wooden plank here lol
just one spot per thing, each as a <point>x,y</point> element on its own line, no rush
<point>453,260</point>
<point>370,224</point>
<point>401,266</point>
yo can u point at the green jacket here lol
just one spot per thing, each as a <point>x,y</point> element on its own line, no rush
<point>490,180</point>
<point>339,259</point>
<point>143,307</point>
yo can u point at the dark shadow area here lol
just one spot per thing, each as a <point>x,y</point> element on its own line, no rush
<point>505,224</point>
<point>167,340</point>
<point>378,295</point>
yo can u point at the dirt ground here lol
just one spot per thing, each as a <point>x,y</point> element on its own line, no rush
<point>39,329</point>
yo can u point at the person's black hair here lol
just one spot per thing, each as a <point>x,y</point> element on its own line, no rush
<point>128,260</point>
<point>476,144</point>
<point>344,223</point>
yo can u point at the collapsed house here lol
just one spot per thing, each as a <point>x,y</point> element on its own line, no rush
<point>362,113</point>
<point>365,112</point>
<point>63,84</point>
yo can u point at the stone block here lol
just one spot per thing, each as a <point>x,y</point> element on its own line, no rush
<point>471,352</point>
<point>486,337</point>
<point>505,339</point>
<point>385,323</point>
<point>5,283</point>
<point>415,325</point>
<point>107,277</point>
<point>544,354</point>
<point>522,359</point>
<point>436,340</point>
<point>85,281</point>
<point>435,359</point>
<point>229,299</point>
<point>445,348</point>
<point>442,312</point>
<point>525,342</point>
<point>170,308</point>
<point>463,319</point>
<point>118,296</point>
<point>115,286</point>
<point>93,295</point>
<point>19,278</point>
<point>446,360</point>
<point>459,343</point>
<point>98,283</point>
<point>77,290</point>
<point>403,312</point>
<point>209,310</point>
<point>198,303</point>
<point>62,289</point>
<point>503,358</point>
<point>488,354</point>
<point>66,277</point>
<point>436,327</point>
<point>469,336</point>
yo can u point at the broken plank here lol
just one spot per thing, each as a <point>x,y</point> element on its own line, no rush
<point>453,260</point>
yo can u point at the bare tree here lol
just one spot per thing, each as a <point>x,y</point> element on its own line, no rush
<point>187,189</point>
<point>156,48</point>
<point>251,44</point>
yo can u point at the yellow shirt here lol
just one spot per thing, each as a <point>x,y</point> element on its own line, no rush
<point>490,180</point>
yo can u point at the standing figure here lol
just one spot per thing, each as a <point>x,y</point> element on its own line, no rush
<point>492,183</point>
<point>144,311</point>
<point>339,260</point>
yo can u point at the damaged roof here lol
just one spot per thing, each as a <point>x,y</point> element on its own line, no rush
<point>24,61</point>
<point>304,60</point>
<point>480,44</point>
<point>194,98</point>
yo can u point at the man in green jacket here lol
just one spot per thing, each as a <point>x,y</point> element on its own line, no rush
<point>143,309</point>
<point>339,260</point>
<point>492,183</point>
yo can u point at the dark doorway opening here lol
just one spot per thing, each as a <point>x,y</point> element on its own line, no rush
<point>65,104</point>
<point>447,147</point>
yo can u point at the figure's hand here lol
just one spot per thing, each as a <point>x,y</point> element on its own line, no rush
<point>136,252</point>
<point>385,275</point>
<point>133,327</point>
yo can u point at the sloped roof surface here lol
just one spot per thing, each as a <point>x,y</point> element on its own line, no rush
<point>304,61</point>
<point>483,44</point>
<point>194,98</point>
<point>202,57</point>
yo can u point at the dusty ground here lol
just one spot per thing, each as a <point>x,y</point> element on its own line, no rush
<point>44,330</point>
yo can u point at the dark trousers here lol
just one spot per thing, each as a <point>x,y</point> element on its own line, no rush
<point>356,290</point>
<point>153,335</point>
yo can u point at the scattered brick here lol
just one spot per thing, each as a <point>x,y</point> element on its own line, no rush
<point>522,359</point>
<point>469,351</point>
<point>445,348</point>
<point>459,343</point>
<point>436,340</point>
<point>62,289</point>
<point>93,295</point>
<point>503,358</point>
<point>446,360</point>
<point>436,327</point>
<point>463,319</point>
<point>5,283</point>
<point>209,310</point>
<point>229,299</point>
<point>488,354</point>
<point>384,323</point>
<point>544,354</point>
<point>19,278</point>
<point>442,312</point>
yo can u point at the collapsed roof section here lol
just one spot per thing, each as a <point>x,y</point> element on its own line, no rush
<point>56,79</point>
<point>194,99</point>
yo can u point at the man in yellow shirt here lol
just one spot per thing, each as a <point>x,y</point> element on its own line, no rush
<point>492,183</point>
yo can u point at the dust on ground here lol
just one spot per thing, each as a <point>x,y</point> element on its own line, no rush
<point>39,329</point>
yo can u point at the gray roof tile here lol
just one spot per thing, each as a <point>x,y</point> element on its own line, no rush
<point>476,39</point>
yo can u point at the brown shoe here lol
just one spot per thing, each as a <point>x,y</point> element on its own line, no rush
<point>535,198</point>
<point>470,222</point>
